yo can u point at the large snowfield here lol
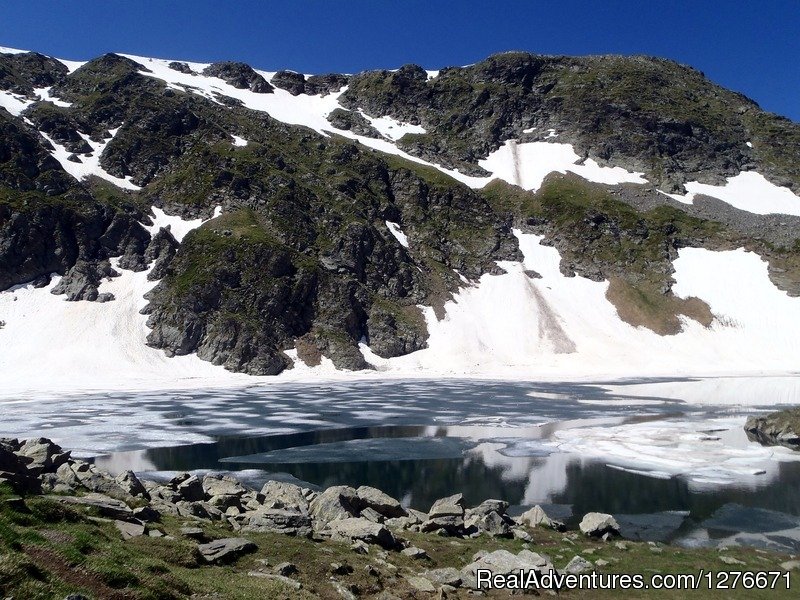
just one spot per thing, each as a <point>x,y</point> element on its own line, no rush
<point>510,326</point>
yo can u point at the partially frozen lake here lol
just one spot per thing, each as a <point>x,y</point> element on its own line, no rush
<point>669,457</point>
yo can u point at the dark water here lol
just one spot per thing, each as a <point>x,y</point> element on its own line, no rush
<point>420,440</point>
<point>420,464</point>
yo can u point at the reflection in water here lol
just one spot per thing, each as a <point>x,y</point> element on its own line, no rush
<point>420,464</point>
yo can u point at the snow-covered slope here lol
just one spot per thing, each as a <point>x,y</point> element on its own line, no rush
<point>516,325</point>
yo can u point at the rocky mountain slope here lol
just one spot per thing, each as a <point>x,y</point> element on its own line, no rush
<point>348,218</point>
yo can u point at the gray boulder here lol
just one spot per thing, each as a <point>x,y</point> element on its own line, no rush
<point>129,529</point>
<point>191,489</point>
<point>598,524</point>
<point>536,517</point>
<point>131,484</point>
<point>226,550</point>
<point>490,523</point>
<point>446,507</point>
<point>380,502</point>
<point>42,455</point>
<point>445,576</point>
<point>356,528</point>
<point>223,492</point>
<point>277,520</point>
<point>335,503</point>
<point>286,496</point>
<point>578,565</point>
<point>503,562</point>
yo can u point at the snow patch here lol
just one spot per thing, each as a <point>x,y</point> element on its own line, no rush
<point>45,96</point>
<point>239,141</point>
<point>512,325</point>
<point>395,230</point>
<point>5,50</point>
<point>392,128</point>
<point>749,191</point>
<point>14,103</point>
<point>63,347</point>
<point>527,164</point>
<point>90,164</point>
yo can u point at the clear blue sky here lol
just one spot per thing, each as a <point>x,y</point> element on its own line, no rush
<point>750,46</point>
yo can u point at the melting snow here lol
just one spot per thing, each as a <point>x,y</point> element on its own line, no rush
<point>671,447</point>
<point>45,96</point>
<point>14,103</point>
<point>526,165</point>
<point>59,346</point>
<point>239,141</point>
<point>748,191</point>
<point>392,128</point>
<point>513,325</point>
<point>395,230</point>
<point>89,165</point>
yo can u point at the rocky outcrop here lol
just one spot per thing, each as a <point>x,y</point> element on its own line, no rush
<point>240,76</point>
<point>781,428</point>
<point>349,120</point>
<point>622,110</point>
<point>292,82</point>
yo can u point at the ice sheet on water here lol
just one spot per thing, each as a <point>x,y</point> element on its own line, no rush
<point>363,450</point>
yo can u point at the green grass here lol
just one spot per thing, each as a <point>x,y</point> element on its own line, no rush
<point>68,553</point>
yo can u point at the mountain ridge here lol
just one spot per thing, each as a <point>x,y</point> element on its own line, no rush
<point>302,257</point>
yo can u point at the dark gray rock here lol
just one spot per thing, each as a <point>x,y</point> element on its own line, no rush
<point>292,82</point>
<point>240,76</point>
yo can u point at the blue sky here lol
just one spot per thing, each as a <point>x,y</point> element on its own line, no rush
<point>749,46</point>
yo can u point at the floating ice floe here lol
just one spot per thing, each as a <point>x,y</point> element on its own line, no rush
<point>708,452</point>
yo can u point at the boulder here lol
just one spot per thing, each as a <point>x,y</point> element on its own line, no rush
<point>190,489</point>
<point>225,550</point>
<point>445,576</point>
<point>536,517</point>
<point>147,514</point>
<point>105,505</point>
<point>223,492</point>
<point>487,506</point>
<point>13,471</point>
<point>356,528</point>
<point>129,529</point>
<point>335,503</point>
<point>286,496</point>
<point>372,515</point>
<point>380,502</point>
<point>420,584</point>
<point>193,533</point>
<point>490,523</point>
<point>503,562</point>
<point>44,455</point>
<point>414,552</point>
<point>578,565</point>
<point>598,524</point>
<point>446,507</point>
<point>278,520</point>
<point>131,484</point>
